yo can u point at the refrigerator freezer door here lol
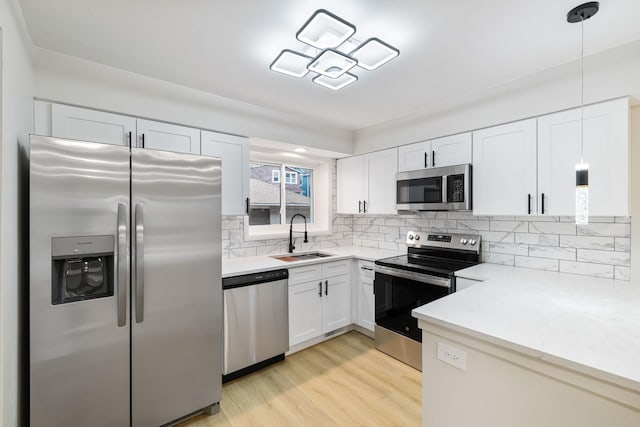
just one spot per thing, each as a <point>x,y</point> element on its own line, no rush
<point>177,337</point>
<point>78,266</point>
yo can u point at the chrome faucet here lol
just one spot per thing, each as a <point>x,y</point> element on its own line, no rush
<point>291,247</point>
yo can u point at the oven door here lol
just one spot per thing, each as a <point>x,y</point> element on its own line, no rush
<point>398,292</point>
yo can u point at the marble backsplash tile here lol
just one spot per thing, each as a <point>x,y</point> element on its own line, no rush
<point>602,248</point>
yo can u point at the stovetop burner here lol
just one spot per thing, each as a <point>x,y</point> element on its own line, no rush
<point>436,266</point>
<point>437,254</point>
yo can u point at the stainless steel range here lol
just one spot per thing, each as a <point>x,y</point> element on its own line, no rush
<point>405,282</point>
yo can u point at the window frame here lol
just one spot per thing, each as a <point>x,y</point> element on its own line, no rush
<point>292,174</point>
<point>275,178</point>
<point>321,203</point>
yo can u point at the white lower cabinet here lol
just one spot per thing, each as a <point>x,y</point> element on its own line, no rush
<point>336,307</point>
<point>305,311</point>
<point>364,291</point>
<point>319,300</point>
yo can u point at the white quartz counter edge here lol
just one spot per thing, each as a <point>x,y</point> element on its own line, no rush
<point>257,264</point>
<point>587,324</point>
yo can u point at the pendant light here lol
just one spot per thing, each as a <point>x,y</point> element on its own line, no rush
<point>580,14</point>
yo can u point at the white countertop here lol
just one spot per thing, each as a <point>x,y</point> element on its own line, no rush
<point>584,323</point>
<point>256,264</point>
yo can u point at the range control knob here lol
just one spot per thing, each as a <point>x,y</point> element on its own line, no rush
<point>417,237</point>
<point>472,242</point>
<point>463,241</point>
<point>410,236</point>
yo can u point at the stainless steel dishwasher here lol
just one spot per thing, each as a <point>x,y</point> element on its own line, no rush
<point>256,321</point>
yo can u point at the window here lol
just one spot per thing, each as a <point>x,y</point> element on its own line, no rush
<point>291,177</point>
<point>275,202</point>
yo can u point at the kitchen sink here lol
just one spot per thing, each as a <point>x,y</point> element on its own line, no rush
<point>301,257</point>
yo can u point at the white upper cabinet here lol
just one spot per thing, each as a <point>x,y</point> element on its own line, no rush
<point>606,151</point>
<point>64,121</point>
<point>168,137</point>
<point>414,156</point>
<point>451,150</point>
<point>350,185</point>
<point>380,170</point>
<point>367,183</point>
<point>234,152</point>
<point>504,169</point>
<point>447,151</point>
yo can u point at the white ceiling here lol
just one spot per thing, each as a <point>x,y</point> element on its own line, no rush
<point>448,48</point>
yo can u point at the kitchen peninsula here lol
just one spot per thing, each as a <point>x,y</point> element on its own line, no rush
<point>532,348</point>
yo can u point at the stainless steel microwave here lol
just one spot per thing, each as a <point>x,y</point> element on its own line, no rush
<point>446,188</point>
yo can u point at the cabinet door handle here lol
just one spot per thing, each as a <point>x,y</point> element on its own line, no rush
<point>130,139</point>
<point>320,289</point>
<point>366,268</point>
<point>433,158</point>
<point>359,206</point>
<point>247,205</point>
<point>143,140</point>
<point>542,200</point>
<point>326,287</point>
<point>426,161</point>
<point>529,203</point>
<point>364,206</point>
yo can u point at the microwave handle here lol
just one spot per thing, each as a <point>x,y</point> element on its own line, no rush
<point>444,189</point>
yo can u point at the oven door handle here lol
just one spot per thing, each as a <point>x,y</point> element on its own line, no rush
<point>418,277</point>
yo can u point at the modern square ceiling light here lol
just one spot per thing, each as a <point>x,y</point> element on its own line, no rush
<point>331,51</point>
<point>338,83</point>
<point>291,63</point>
<point>373,53</point>
<point>324,29</point>
<point>332,63</point>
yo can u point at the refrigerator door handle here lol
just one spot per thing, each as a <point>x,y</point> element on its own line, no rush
<point>123,272</point>
<point>139,264</point>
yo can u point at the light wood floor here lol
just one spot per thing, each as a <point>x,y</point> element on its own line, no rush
<point>341,382</point>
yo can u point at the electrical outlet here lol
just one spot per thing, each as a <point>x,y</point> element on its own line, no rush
<point>452,356</point>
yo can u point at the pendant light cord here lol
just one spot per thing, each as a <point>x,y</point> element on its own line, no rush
<point>582,89</point>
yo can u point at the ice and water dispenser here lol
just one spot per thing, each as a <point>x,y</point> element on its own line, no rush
<point>82,268</point>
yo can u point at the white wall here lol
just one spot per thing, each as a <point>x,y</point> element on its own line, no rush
<point>634,188</point>
<point>76,81</point>
<point>609,74</point>
<point>17,120</point>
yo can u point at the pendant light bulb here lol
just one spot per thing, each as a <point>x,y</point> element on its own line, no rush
<point>580,14</point>
<point>582,194</point>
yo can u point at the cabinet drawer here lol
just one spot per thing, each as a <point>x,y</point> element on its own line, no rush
<point>336,268</point>
<point>308,273</point>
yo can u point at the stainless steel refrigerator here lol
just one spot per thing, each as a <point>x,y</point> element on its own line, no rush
<point>125,285</point>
